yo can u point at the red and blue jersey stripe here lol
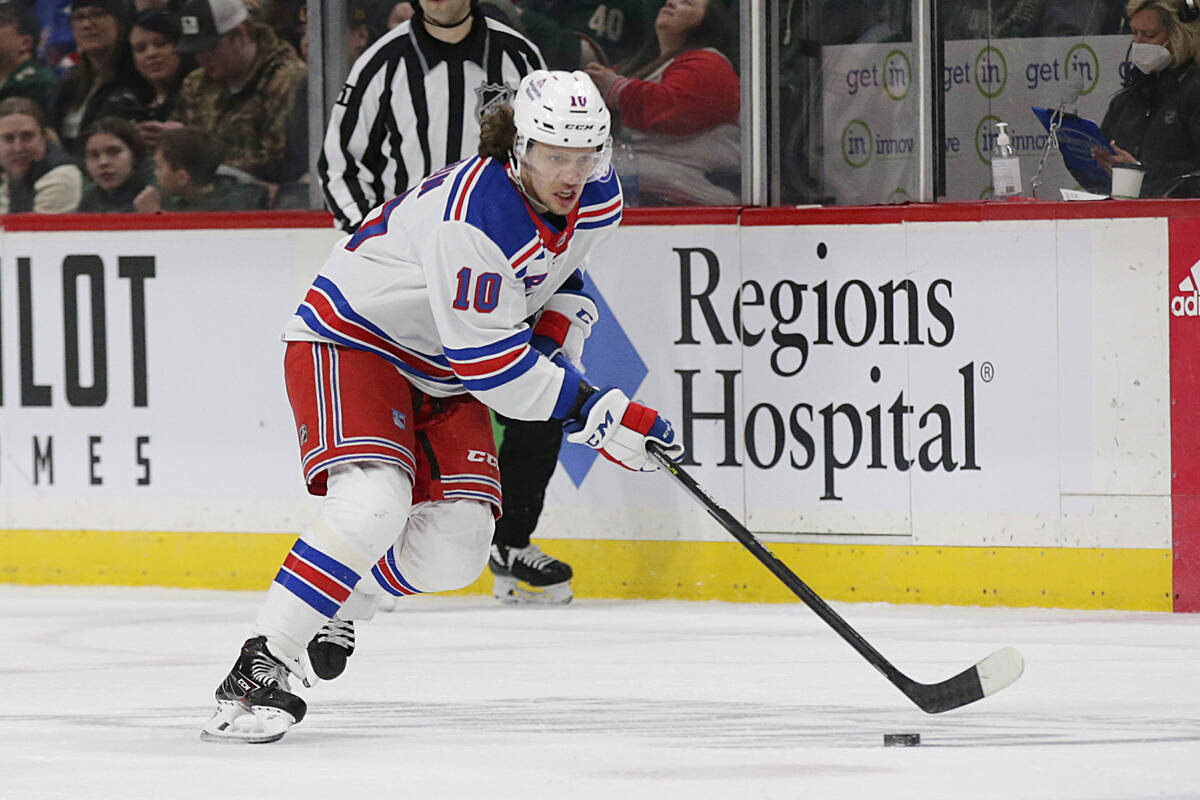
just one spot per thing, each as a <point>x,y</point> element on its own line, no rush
<point>327,312</point>
<point>495,364</point>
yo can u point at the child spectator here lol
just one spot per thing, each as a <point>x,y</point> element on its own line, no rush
<point>21,75</point>
<point>38,174</point>
<point>116,164</point>
<point>185,168</point>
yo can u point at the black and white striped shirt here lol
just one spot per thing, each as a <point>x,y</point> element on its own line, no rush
<point>410,106</point>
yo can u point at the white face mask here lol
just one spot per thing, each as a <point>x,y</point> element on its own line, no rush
<point>1149,58</point>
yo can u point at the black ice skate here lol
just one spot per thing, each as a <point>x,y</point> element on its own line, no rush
<point>254,703</point>
<point>330,648</point>
<point>527,575</point>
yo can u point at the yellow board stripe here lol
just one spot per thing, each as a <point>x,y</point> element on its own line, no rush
<point>978,576</point>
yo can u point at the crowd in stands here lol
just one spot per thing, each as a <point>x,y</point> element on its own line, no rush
<point>123,105</point>
<point>173,105</point>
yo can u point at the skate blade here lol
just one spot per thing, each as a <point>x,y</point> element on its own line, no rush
<point>234,724</point>
<point>508,590</point>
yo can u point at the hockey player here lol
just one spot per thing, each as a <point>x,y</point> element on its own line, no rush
<point>412,104</point>
<point>412,329</point>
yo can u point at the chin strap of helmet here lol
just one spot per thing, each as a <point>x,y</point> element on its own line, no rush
<point>514,175</point>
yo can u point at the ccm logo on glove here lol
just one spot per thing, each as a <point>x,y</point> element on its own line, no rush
<point>622,442</point>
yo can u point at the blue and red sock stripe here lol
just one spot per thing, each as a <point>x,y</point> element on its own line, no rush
<point>319,580</point>
<point>388,576</point>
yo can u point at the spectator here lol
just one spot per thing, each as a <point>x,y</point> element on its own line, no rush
<point>20,74</point>
<point>153,38</point>
<point>116,163</point>
<point>680,102</point>
<point>185,169</point>
<point>244,88</point>
<point>104,83</point>
<point>367,22</point>
<point>374,151</point>
<point>573,33</point>
<point>39,176</point>
<point>1155,119</point>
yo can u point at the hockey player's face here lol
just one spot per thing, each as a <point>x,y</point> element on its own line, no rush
<point>555,175</point>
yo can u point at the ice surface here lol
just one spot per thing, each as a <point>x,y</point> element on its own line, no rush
<point>104,692</point>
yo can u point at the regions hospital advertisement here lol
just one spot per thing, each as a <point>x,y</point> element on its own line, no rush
<point>931,412</point>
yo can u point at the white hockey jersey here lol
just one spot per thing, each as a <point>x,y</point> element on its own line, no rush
<point>441,280</point>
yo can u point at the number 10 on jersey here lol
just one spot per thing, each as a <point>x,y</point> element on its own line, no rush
<point>484,297</point>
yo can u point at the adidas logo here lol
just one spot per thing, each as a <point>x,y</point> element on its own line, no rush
<point>1187,302</point>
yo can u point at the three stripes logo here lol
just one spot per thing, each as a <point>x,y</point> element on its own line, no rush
<point>1186,303</point>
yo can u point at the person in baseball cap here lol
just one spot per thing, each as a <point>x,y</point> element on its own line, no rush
<point>205,21</point>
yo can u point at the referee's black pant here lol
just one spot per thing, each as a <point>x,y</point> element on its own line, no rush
<point>527,456</point>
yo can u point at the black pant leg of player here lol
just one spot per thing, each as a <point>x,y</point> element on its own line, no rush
<point>523,573</point>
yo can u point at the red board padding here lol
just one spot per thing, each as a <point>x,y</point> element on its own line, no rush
<point>1184,308</point>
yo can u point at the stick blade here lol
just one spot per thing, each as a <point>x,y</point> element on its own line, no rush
<point>1000,669</point>
<point>985,678</point>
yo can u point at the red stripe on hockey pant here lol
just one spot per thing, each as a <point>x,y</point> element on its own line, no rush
<point>553,325</point>
<point>639,418</point>
<point>318,579</point>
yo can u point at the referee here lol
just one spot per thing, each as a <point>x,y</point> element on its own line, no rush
<point>413,101</point>
<point>411,105</point>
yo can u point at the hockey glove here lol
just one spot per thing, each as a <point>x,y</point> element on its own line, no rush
<point>619,429</point>
<point>565,323</point>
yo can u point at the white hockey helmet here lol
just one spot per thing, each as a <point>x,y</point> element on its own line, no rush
<point>564,109</point>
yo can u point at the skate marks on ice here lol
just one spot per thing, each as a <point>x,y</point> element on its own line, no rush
<point>670,724</point>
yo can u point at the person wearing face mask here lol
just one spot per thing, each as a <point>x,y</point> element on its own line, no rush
<point>1155,119</point>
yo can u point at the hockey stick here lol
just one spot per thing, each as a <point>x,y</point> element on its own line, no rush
<point>974,683</point>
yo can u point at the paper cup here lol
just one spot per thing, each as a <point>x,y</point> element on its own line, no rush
<point>1127,180</point>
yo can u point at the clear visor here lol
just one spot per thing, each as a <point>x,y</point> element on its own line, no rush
<point>566,164</point>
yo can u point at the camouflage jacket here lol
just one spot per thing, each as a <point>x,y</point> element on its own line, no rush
<point>250,124</point>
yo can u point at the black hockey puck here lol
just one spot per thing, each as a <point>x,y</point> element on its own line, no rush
<point>901,739</point>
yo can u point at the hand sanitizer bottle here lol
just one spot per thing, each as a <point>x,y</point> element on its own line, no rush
<point>1006,167</point>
